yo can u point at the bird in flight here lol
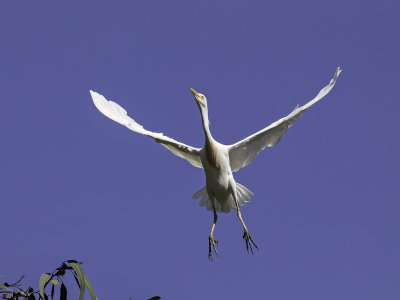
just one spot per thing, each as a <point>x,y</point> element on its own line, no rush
<point>221,193</point>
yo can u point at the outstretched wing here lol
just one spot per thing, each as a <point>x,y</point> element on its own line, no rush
<point>116,113</point>
<point>243,153</point>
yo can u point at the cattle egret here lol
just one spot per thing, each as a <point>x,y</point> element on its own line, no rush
<point>221,193</point>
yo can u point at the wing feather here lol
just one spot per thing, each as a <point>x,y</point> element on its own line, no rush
<point>244,152</point>
<point>118,114</point>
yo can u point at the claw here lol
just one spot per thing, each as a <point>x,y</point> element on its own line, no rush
<point>249,241</point>
<point>212,246</point>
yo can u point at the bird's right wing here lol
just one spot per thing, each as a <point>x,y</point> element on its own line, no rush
<point>116,113</point>
<point>243,152</point>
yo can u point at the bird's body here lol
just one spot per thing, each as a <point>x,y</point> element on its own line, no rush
<point>221,193</point>
<point>219,177</point>
<point>215,160</point>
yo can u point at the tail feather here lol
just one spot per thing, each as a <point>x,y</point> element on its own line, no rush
<point>243,196</point>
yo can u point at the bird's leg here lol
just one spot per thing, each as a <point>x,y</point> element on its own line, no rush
<point>246,235</point>
<point>211,240</point>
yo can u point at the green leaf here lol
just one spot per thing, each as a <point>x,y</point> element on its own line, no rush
<point>55,282</point>
<point>63,292</point>
<point>3,287</point>
<point>81,276</point>
<point>90,288</point>
<point>44,278</point>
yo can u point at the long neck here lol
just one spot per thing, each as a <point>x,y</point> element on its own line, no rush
<point>210,144</point>
<point>206,124</point>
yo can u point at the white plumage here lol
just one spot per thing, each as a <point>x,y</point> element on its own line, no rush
<point>243,196</point>
<point>219,161</point>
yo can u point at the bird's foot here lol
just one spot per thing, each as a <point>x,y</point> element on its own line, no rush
<point>212,246</point>
<point>249,241</point>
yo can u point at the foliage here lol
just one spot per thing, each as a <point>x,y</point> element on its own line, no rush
<point>51,281</point>
<point>47,280</point>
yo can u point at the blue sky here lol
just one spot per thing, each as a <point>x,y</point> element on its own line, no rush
<point>75,185</point>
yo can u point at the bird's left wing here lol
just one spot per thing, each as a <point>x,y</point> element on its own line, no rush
<point>118,114</point>
<point>243,152</point>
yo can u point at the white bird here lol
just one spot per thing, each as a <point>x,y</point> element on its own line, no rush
<point>221,193</point>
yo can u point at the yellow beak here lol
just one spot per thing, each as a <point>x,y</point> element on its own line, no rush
<point>194,93</point>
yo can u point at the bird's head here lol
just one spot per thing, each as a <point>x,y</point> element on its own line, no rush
<point>200,99</point>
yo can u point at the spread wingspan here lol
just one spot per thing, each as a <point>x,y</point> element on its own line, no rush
<point>243,153</point>
<point>118,114</point>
